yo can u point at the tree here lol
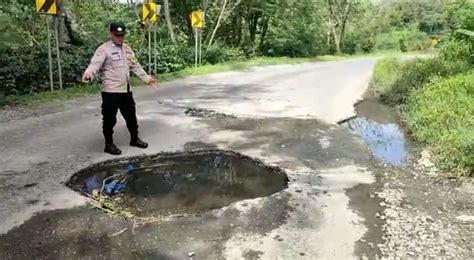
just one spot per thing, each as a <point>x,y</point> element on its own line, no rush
<point>168,20</point>
<point>335,14</point>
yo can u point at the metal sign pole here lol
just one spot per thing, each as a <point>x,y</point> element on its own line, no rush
<point>154,47</point>
<point>200,47</point>
<point>149,48</point>
<point>196,47</point>
<point>50,59</point>
<point>56,36</point>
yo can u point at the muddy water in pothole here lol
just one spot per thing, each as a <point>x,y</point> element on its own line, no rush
<point>187,183</point>
<point>378,127</point>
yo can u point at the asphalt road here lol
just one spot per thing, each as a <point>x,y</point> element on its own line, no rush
<point>284,115</point>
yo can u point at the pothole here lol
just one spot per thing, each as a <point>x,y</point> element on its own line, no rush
<point>378,127</point>
<point>204,113</point>
<point>177,183</point>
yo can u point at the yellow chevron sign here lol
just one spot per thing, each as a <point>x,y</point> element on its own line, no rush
<point>197,19</point>
<point>47,7</point>
<point>149,12</point>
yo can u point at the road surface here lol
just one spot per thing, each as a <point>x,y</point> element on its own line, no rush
<point>285,115</point>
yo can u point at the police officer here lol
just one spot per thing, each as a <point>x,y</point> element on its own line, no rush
<point>112,63</point>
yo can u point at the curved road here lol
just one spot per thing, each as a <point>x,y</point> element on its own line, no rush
<point>284,115</point>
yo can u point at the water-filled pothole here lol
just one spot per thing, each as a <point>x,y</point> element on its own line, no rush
<point>378,127</point>
<point>179,183</point>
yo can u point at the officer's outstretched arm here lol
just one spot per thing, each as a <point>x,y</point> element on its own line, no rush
<point>136,68</point>
<point>96,63</point>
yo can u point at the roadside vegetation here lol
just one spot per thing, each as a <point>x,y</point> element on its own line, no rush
<point>435,96</point>
<point>238,33</point>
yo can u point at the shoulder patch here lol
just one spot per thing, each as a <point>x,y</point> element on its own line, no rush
<point>99,52</point>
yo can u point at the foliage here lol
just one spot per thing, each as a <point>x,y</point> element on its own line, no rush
<point>216,54</point>
<point>21,73</point>
<point>457,50</point>
<point>441,114</point>
<point>396,79</point>
<point>437,94</point>
<point>386,72</point>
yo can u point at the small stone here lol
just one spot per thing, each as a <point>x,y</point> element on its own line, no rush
<point>465,218</point>
<point>191,254</point>
<point>302,254</point>
<point>282,146</point>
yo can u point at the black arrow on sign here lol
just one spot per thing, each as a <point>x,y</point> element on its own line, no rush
<point>151,12</point>
<point>47,4</point>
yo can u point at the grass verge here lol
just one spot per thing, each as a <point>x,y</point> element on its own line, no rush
<point>435,97</point>
<point>441,114</point>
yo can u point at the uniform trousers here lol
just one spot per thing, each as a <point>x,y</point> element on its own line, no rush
<point>111,103</point>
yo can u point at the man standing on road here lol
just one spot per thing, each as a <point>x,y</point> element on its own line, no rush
<point>113,62</point>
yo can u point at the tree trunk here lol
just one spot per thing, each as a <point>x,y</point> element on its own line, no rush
<point>265,22</point>
<point>168,20</point>
<point>336,40</point>
<point>238,29</point>
<point>345,17</point>
<point>253,21</point>
<point>221,14</point>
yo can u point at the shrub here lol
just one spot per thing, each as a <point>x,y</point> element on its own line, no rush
<point>25,70</point>
<point>217,53</point>
<point>409,39</point>
<point>442,115</point>
<point>170,58</point>
<point>395,82</point>
<point>386,72</point>
<point>457,50</point>
<point>387,41</point>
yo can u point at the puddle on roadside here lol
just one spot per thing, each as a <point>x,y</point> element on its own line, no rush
<point>184,182</point>
<point>378,127</point>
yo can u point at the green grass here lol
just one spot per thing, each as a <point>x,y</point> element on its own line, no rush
<point>44,97</point>
<point>435,97</point>
<point>395,79</point>
<point>441,114</point>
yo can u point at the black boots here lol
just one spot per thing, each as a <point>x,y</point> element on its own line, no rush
<point>138,143</point>
<point>112,149</point>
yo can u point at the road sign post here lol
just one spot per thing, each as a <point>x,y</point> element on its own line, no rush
<point>154,47</point>
<point>155,51</point>
<point>200,46</point>
<point>50,58</point>
<point>150,13</point>
<point>58,57</point>
<point>149,48</point>
<point>196,47</point>
<point>197,22</point>
<point>50,7</point>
